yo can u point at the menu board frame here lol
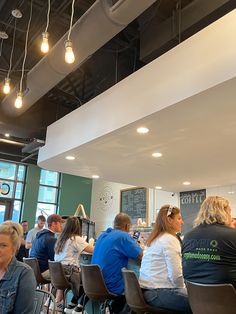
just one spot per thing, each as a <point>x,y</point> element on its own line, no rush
<point>129,203</point>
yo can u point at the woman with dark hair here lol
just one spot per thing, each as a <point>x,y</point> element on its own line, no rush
<point>161,270</point>
<point>68,248</point>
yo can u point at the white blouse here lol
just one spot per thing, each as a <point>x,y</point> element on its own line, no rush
<point>71,251</point>
<point>161,264</point>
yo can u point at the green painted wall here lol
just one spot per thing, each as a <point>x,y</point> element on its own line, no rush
<point>31,194</point>
<point>74,190</point>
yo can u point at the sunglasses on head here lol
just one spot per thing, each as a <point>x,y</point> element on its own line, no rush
<point>169,210</point>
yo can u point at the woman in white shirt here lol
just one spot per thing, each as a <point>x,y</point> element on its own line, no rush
<point>161,274</point>
<point>68,249</point>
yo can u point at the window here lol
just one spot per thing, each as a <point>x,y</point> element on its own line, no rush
<point>48,193</point>
<point>12,181</point>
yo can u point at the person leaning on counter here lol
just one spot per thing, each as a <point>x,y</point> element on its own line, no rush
<point>112,250</point>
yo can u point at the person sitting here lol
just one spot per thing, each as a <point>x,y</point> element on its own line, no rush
<point>17,280</point>
<point>23,251</point>
<point>31,235</point>
<point>68,249</point>
<point>112,250</point>
<point>43,245</point>
<point>209,249</point>
<point>161,275</point>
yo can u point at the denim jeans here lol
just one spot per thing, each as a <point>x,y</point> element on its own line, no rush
<point>168,298</point>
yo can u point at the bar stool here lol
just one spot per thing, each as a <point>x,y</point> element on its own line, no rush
<point>95,287</point>
<point>34,264</point>
<point>59,280</point>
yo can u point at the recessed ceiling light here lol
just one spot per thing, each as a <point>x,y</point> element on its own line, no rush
<point>95,176</point>
<point>70,157</point>
<point>7,135</point>
<point>156,155</point>
<point>142,130</point>
<point>231,192</point>
<point>186,183</point>
<point>158,187</point>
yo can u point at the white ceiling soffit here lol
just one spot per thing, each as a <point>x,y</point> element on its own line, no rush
<point>95,28</point>
<point>186,98</point>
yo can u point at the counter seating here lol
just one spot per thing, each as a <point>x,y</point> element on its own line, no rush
<point>34,264</point>
<point>211,299</point>
<point>95,287</point>
<point>134,296</point>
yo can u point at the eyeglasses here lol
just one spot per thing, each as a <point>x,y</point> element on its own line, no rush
<point>169,210</point>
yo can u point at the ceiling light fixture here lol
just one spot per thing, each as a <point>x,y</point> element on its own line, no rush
<point>158,187</point>
<point>69,55</point>
<point>3,35</point>
<point>231,192</point>
<point>70,157</point>
<point>157,155</point>
<point>95,176</point>
<point>7,86</point>
<point>45,34</point>
<point>19,97</point>
<point>142,130</point>
<point>186,183</point>
<point>7,135</point>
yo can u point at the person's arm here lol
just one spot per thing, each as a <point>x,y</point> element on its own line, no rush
<point>172,253</point>
<point>25,298</point>
<point>89,248</point>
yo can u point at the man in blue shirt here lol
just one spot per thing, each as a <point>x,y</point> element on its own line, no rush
<point>112,251</point>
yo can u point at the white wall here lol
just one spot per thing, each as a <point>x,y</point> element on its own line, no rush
<point>105,202</point>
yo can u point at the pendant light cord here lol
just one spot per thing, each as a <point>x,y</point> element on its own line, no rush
<point>48,15</point>
<point>26,44</point>
<point>71,18</point>
<point>12,49</point>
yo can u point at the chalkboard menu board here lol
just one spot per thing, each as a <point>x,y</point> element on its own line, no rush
<point>134,203</point>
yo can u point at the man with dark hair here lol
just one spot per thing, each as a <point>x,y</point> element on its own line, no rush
<point>23,251</point>
<point>112,250</point>
<point>32,233</point>
<point>43,245</point>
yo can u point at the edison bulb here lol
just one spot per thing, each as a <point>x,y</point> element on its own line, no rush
<point>6,87</point>
<point>44,44</point>
<point>69,55</point>
<point>19,100</point>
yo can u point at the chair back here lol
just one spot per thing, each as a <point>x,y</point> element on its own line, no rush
<point>211,299</point>
<point>94,284</point>
<point>34,264</point>
<point>41,296</point>
<point>134,295</point>
<point>58,277</point>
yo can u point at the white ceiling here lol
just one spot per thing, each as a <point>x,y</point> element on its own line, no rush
<point>196,135</point>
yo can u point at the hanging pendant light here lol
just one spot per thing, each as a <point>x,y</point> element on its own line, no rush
<point>45,34</point>
<point>7,87</point>
<point>69,54</point>
<point>19,97</point>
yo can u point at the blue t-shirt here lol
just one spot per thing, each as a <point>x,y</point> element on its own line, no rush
<point>112,251</point>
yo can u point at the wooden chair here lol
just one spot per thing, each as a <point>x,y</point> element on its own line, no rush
<point>211,299</point>
<point>134,296</point>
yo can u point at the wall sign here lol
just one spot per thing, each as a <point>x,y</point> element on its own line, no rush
<point>190,203</point>
<point>4,188</point>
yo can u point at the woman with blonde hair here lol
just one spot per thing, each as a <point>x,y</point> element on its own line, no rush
<point>161,270</point>
<point>17,279</point>
<point>209,250</point>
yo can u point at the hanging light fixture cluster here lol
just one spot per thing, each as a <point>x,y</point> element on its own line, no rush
<point>69,53</point>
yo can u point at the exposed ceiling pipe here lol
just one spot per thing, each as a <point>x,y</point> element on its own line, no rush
<point>96,27</point>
